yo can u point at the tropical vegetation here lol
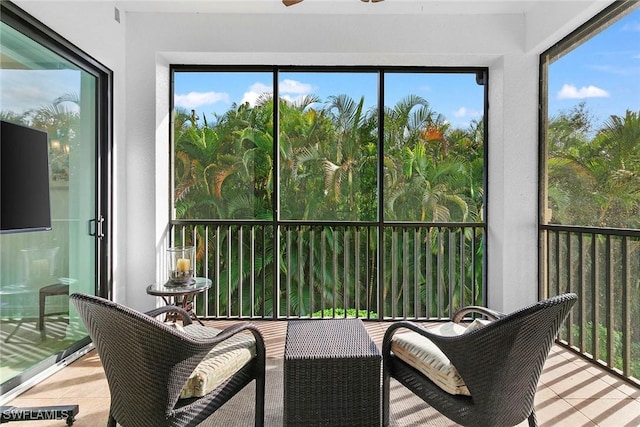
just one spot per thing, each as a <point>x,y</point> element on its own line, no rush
<point>329,209</point>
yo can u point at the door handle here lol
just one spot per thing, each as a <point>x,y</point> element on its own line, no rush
<point>95,227</point>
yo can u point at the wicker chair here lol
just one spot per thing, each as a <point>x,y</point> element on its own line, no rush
<point>148,362</point>
<point>499,363</point>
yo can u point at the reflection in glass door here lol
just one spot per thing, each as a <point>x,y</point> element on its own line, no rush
<point>38,270</point>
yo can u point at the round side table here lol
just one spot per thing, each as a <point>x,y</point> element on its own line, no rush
<point>180,296</point>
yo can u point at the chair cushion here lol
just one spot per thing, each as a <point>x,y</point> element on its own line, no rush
<point>422,354</point>
<point>222,362</point>
<point>477,324</point>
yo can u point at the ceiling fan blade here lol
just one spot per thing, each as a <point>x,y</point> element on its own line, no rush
<point>292,2</point>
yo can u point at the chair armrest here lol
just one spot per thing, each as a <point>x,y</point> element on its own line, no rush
<point>230,331</point>
<point>415,327</point>
<point>193,349</point>
<point>461,350</point>
<point>491,314</point>
<point>186,317</point>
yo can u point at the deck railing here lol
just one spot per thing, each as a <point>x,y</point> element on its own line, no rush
<point>296,270</point>
<point>602,266</point>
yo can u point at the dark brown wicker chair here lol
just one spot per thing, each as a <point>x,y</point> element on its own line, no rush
<point>147,363</point>
<point>500,364</point>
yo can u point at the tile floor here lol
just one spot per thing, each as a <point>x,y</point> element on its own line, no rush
<point>572,391</point>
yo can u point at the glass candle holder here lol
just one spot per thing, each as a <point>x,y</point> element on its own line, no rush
<point>181,261</point>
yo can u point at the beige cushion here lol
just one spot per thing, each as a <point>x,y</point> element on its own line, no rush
<point>223,361</point>
<point>477,324</point>
<point>419,352</point>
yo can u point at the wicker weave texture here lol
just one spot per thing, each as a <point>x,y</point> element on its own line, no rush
<point>331,374</point>
<point>500,364</point>
<point>147,363</point>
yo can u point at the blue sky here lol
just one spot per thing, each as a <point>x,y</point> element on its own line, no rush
<point>456,96</point>
<point>604,73</point>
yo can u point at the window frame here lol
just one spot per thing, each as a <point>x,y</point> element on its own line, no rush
<point>581,35</point>
<point>482,79</point>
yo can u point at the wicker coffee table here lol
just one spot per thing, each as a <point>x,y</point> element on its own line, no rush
<point>331,374</point>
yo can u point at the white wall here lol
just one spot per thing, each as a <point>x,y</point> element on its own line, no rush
<point>508,44</point>
<point>154,40</point>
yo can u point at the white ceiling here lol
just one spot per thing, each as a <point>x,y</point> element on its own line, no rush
<point>387,7</point>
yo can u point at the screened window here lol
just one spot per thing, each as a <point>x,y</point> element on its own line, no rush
<point>593,125</point>
<point>590,176</point>
<point>358,144</point>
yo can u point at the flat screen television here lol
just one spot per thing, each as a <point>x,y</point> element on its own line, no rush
<point>24,179</point>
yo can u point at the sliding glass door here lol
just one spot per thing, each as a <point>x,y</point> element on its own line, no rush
<point>61,95</point>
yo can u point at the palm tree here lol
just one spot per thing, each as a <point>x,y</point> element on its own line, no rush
<point>594,182</point>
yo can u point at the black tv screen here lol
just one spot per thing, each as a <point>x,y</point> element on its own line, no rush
<point>24,179</point>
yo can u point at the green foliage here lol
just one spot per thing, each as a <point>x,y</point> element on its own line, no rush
<point>594,178</point>
<point>329,171</point>
<point>603,350</point>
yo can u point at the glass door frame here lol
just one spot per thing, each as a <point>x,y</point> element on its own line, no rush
<point>101,226</point>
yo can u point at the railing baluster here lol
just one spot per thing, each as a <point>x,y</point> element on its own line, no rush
<point>334,272</point>
<point>602,268</point>
<point>610,301</point>
<point>273,285</point>
<point>568,270</point>
<point>417,312</point>
<point>252,272</point>
<point>440,272</point>
<point>312,257</point>
<point>394,273</point>
<point>323,265</point>
<point>405,273</point>
<point>595,331</point>
<point>288,277</point>
<point>461,270</point>
<point>228,263</point>
<point>582,293</point>
<point>626,312</point>
<point>474,283</point>
<point>301,282</point>
<point>357,282</point>
<point>240,269</point>
<point>428,273</point>
<point>235,257</point>
<point>452,269</point>
<point>345,271</point>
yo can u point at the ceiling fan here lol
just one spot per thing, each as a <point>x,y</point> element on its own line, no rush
<point>292,2</point>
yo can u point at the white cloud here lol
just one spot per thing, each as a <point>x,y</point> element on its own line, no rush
<point>261,88</point>
<point>23,90</point>
<point>255,91</point>
<point>194,100</point>
<point>294,86</point>
<point>464,112</point>
<point>250,97</point>
<point>286,86</point>
<point>572,92</point>
<point>632,26</point>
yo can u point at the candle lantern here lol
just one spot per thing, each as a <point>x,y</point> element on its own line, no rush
<point>181,261</point>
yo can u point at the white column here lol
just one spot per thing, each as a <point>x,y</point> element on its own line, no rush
<point>513,182</point>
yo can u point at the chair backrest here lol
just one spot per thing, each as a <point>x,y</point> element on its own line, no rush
<point>146,362</point>
<point>506,357</point>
